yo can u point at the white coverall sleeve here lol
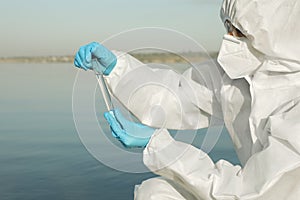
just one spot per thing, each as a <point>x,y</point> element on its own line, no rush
<point>273,173</point>
<point>162,97</point>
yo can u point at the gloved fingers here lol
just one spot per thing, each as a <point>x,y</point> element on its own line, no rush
<point>104,55</point>
<point>137,135</point>
<point>125,123</point>
<point>122,135</point>
<point>98,50</point>
<point>134,129</point>
<point>114,124</point>
<point>129,141</point>
<point>119,116</point>
<point>88,54</point>
<point>114,134</point>
<point>116,130</point>
<point>83,57</point>
<point>78,63</point>
<point>128,126</point>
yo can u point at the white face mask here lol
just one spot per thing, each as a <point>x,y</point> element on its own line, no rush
<point>237,57</point>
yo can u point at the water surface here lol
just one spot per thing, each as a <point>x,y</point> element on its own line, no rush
<point>41,156</point>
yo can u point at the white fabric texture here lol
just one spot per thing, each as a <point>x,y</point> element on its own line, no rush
<point>262,116</point>
<point>272,26</point>
<point>164,98</point>
<point>260,108</point>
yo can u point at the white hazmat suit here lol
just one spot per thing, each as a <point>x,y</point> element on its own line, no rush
<point>258,99</point>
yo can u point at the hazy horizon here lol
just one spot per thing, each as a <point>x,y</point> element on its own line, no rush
<point>40,28</point>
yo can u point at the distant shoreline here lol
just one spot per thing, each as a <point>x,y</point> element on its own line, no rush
<point>40,59</point>
<point>144,57</point>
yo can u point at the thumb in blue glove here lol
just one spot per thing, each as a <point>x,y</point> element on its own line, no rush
<point>131,134</point>
<point>85,54</point>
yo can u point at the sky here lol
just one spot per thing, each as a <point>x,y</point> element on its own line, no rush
<point>60,27</point>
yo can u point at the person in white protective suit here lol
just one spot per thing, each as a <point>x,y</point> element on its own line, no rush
<point>259,101</point>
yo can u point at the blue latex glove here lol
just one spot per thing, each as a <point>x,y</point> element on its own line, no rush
<point>131,134</point>
<point>106,58</point>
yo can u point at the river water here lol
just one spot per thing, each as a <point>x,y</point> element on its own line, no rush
<point>41,155</point>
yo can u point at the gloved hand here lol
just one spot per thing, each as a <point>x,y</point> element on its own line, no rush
<point>106,58</point>
<point>131,134</point>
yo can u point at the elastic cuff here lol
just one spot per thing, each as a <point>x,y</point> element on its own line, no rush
<point>110,67</point>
